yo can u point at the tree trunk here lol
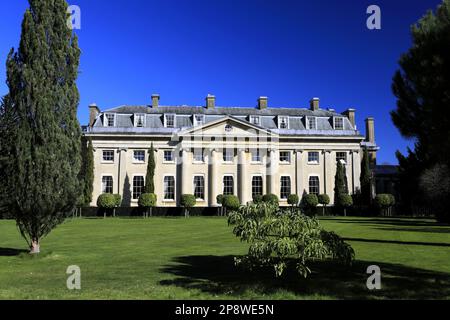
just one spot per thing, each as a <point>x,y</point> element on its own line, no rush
<point>151,212</point>
<point>35,247</point>
<point>345,212</point>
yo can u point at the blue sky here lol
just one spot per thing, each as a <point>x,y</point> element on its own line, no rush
<point>239,50</point>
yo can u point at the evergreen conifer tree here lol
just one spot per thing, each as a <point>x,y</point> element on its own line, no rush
<point>150,177</point>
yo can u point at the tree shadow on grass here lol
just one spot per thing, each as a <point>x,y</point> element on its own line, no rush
<point>418,229</point>
<point>411,222</point>
<point>218,275</point>
<point>10,252</point>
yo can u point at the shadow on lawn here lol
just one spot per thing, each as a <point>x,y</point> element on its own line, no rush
<point>388,221</point>
<point>414,243</point>
<point>418,229</point>
<point>10,252</point>
<point>218,275</point>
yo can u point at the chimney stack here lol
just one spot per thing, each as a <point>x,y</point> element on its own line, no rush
<point>155,100</point>
<point>262,103</point>
<point>370,130</point>
<point>93,113</point>
<point>314,104</point>
<point>210,101</point>
<point>350,114</point>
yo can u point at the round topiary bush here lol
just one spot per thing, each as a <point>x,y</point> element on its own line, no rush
<point>188,201</point>
<point>147,201</point>
<point>271,198</point>
<point>345,201</point>
<point>293,199</point>
<point>117,199</point>
<point>384,201</point>
<point>219,199</point>
<point>309,203</point>
<point>106,201</point>
<point>231,202</point>
<point>257,198</point>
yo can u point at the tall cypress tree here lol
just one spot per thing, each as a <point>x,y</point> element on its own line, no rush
<point>41,77</point>
<point>365,180</point>
<point>87,170</point>
<point>339,183</point>
<point>150,177</point>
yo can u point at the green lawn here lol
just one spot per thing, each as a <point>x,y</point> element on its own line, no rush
<point>177,258</point>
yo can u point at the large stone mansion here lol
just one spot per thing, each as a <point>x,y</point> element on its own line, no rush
<point>209,150</point>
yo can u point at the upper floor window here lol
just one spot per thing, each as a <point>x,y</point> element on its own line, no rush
<point>256,155</point>
<point>107,184</point>
<point>169,120</point>
<point>108,156</point>
<point>139,120</point>
<point>110,120</point>
<point>314,187</point>
<point>168,155</point>
<point>285,157</point>
<point>198,155</point>
<point>339,123</point>
<point>285,187</point>
<point>283,122</point>
<point>139,156</point>
<point>313,157</point>
<point>341,156</point>
<point>311,123</point>
<point>255,120</point>
<point>228,155</point>
<point>199,119</point>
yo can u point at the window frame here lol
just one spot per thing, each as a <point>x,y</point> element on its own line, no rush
<point>232,184</point>
<point>256,151</point>
<point>252,117</point>
<point>310,186</point>
<point>174,187</point>
<point>202,176</point>
<point>280,122</point>
<point>309,122</point>
<point>195,153</point>
<point>106,119</point>
<point>334,123</point>
<point>286,193</point>
<point>136,160</point>
<point>314,161</point>
<point>136,115</point>
<point>112,183</point>
<point>174,120</point>
<point>254,187</point>
<point>226,152</point>
<point>345,158</point>
<point>133,187</point>
<point>172,156</point>
<point>288,161</point>
<point>197,123</point>
<point>113,156</point>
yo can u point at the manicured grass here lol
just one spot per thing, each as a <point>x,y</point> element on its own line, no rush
<point>177,258</point>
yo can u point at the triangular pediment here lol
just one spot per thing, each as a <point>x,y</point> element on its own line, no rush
<point>227,126</point>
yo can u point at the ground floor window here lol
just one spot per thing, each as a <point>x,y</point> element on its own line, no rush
<point>228,185</point>
<point>314,185</point>
<point>138,186</point>
<point>169,188</point>
<point>199,187</point>
<point>285,187</point>
<point>107,184</point>
<point>257,186</point>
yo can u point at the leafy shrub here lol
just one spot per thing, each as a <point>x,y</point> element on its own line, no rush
<point>283,238</point>
<point>106,201</point>
<point>231,202</point>
<point>271,198</point>
<point>219,199</point>
<point>147,200</point>
<point>309,203</point>
<point>293,199</point>
<point>323,199</point>
<point>257,198</point>
<point>188,201</point>
<point>345,201</point>
<point>117,200</point>
<point>384,202</point>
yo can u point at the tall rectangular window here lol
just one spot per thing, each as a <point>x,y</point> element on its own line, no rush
<point>199,187</point>
<point>107,184</point>
<point>313,157</point>
<point>314,185</point>
<point>228,185</point>
<point>285,157</point>
<point>169,188</point>
<point>108,155</point>
<point>311,123</point>
<point>228,155</point>
<point>285,187</point>
<point>138,186</point>
<point>110,119</point>
<point>169,121</point>
<point>283,122</point>
<point>341,156</point>
<point>139,156</point>
<point>339,123</point>
<point>257,186</point>
<point>255,120</point>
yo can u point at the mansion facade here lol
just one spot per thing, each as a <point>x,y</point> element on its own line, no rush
<point>209,150</point>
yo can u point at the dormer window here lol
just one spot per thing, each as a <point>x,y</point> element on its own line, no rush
<point>255,120</point>
<point>199,120</point>
<point>109,120</point>
<point>283,122</point>
<point>139,120</point>
<point>338,123</point>
<point>311,123</point>
<point>169,120</point>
